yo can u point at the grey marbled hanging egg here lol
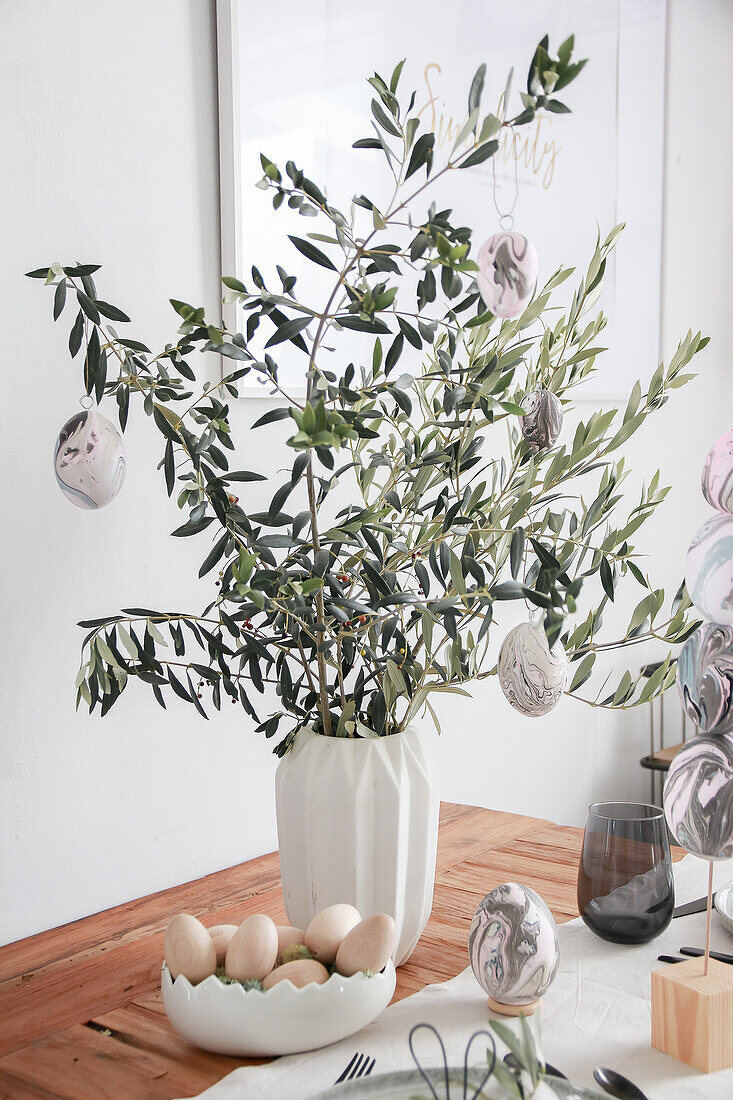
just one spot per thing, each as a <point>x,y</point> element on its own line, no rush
<point>705,677</point>
<point>543,420</point>
<point>531,675</point>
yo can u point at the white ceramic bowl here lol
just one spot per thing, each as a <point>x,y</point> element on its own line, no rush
<point>227,1019</point>
<point>724,905</point>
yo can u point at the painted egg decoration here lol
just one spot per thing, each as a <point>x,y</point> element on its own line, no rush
<point>698,796</point>
<point>717,474</point>
<point>709,570</point>
<point>705,678</point>
<point>89,460</point>
<point>542,421</point>
<point>507,273</point>
<point>513,945</point>
<point>531,675</point>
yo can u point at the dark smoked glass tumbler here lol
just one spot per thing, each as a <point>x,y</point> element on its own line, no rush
<point>625,880</point>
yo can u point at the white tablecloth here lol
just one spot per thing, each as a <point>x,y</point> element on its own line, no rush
<point>597,1012</point>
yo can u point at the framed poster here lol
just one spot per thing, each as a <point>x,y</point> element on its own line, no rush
<point>292,85</point>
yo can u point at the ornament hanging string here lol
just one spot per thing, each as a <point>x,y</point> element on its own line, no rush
<point>506,218</point>
<point>86,401</point>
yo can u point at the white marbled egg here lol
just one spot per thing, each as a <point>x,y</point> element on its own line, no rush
<point>717,474</point>
<point>89,460</point>
<point>507,273</point>
<point>531,675</point>
<point>513,945</point>
<point>709,570</point>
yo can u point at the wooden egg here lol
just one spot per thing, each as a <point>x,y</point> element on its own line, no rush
<point>188,949</point>
<point>368,946</point>
<point>328,928</point>
<point>252,949</point>
<point>287,936</point>
<point>221,934</point>
<point>300,973</point>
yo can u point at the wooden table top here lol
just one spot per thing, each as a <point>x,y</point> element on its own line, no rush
<point>81,1014</point>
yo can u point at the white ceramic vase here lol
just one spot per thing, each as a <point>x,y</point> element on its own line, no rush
<point>357,822</point>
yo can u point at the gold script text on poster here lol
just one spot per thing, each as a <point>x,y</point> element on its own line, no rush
<point>535,152</point>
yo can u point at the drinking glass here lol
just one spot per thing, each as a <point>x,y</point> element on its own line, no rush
<point>625,881</point>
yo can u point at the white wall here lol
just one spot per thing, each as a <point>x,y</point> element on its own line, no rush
<point>109,150</point>
<point>556,766</point>
<point>110,154</point>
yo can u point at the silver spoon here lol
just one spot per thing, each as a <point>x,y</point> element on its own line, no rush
<point>615,1084</point>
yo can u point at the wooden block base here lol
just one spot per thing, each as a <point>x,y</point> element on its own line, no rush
<point>692,1013</point>
<point>513,1010</point>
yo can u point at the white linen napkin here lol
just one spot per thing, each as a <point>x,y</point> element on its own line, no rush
<point>597,1012</point>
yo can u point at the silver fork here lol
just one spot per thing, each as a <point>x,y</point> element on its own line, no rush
<point>361,1065</point>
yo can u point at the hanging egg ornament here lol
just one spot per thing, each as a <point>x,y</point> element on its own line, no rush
<point>89,460</point>
<point>531,675</point>
<point>513,947</point>
<point>709,570</point>
<point>698,796</point>
<point>507,273</point>
<point>717,474</point>
<point>542,421</point>
<point>705,678</point>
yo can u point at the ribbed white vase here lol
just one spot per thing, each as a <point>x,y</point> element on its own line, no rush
<point>357,822</point>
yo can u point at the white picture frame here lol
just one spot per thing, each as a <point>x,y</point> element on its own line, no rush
<point>287,81</point>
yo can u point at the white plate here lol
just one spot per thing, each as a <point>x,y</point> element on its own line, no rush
<point>228,1019</point>
<point>724,905</point>
<point>410,1085</point>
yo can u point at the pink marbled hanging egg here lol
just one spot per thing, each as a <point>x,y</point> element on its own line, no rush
<point>507,273</point>
<point>717,474</point>
<point>698,796</point>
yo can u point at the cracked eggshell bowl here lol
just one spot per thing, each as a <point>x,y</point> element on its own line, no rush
<point>227,1019</point>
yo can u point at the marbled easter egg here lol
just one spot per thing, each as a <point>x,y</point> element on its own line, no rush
<point>543,421</point>
<point>513,946</point>
<point>709,570</point>
<point>507,273</point>
<point>698,796</point>
<point>717,474</point>
<point>89,460</point>
<point>705,677</point>
<point>531,675</point>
